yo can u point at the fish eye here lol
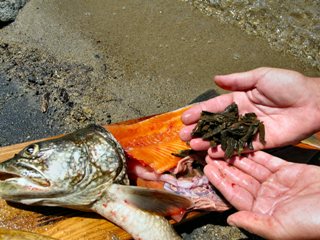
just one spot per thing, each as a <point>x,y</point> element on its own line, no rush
<point>31,150</point>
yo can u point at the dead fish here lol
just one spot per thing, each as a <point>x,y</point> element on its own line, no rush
<point>86,170</point>
<point>6,234</point>
<point>151,144</point>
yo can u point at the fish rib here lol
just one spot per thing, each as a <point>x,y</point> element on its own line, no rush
<point>152,140</point>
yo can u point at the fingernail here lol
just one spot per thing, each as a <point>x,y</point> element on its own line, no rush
<point>231,223</point>
<point>185,134</point>
<point>185,117</point>
<point>208,159</point>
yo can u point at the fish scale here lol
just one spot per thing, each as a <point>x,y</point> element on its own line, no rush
<point>83,170</point>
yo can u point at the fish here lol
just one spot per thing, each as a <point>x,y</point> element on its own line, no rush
<point>6,234</point>
<point>152,146</point>
<point>86,170</point>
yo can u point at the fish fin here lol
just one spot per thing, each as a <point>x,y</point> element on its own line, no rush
<point>152,140</point>
<point>312,142</point>
<point>152,200</point>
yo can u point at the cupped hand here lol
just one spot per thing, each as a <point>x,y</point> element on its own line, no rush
<point>276,199</point>
<point>287,102</point>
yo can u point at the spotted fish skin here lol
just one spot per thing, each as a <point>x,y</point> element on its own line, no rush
<point>81,170</point>
<point>71,171</point>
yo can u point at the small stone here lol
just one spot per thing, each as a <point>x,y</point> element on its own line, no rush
<point>9,9</point>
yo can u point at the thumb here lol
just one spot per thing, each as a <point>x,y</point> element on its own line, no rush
<point>255,223</point>
<point>240,81</point>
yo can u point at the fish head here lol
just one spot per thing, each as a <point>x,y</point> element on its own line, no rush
<point>49,167</point>
<point>72,171</point>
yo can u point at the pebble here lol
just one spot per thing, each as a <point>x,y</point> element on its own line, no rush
<point>9,9</point>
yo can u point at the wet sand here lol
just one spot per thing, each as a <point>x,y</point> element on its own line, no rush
<point>144,57</point>
<point>65,64</point>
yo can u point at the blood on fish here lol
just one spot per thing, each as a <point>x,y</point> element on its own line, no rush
<point>113,213</point>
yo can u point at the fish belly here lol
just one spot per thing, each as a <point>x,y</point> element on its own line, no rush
<point>140,224</point>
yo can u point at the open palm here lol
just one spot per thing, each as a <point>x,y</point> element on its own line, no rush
<point>276,199</point>
<point>286,102</point>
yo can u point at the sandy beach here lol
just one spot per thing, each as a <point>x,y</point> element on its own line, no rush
<point>65,64</point>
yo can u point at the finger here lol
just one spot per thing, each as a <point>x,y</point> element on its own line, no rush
<point>256,223</point>
<point>250,167</point>
<point>216,152</point>
<point>195,143</point>
<point>240,81</point>
<point>185,132</point>
<point>272,163</point>
<point>217,104</point>
<point>235,175</point>
<point>239,197</point>
<point>261,166</point>
<point>199,145</point>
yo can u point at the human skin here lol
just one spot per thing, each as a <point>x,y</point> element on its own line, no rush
<point>276,199</point>
<point>287,102</point>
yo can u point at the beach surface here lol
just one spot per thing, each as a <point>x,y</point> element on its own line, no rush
<point>65,64</point>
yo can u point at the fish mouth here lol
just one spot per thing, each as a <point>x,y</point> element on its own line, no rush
<point>5,176</point>
<point>29,174</point>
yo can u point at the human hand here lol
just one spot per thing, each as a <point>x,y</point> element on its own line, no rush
<point>276,199</point>
<point>287,102</point>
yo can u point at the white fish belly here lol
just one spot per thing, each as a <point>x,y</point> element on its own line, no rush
<point>140,224</point>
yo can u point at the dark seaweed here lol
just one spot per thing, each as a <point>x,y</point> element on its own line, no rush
<point>184,153</point>
<point>233,131</point>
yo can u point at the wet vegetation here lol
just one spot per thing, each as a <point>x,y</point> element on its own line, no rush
<point>233,131</point>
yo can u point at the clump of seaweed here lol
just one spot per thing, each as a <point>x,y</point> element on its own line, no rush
<point>233,131</point>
